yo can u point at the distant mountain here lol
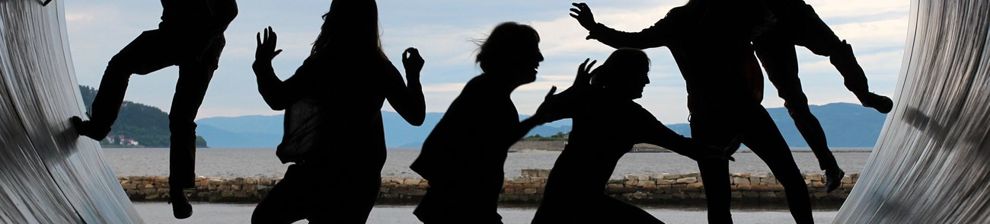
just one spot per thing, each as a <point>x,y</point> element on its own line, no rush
<point>258,131</point>
<point>845,124</point>
<point>137,125</point>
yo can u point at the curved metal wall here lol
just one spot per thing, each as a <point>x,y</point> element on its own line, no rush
<point>932,164</point>
<point>47,175</point>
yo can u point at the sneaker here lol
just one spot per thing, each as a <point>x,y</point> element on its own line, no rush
<point>833,179</point>
<point>86,128</point>
<point>882,104</point>
<point>181,208</point>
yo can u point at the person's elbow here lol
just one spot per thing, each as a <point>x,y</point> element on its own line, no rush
<point>418,119</point>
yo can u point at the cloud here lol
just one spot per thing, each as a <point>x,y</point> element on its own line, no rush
<point>444,31</point>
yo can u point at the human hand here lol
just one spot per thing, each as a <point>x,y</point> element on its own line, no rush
<point>583,77</point>
<point>544,112</point>
<point>266,47</point>
<point>413,63</point>
<point>583,14</point>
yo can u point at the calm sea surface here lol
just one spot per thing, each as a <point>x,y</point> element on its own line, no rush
<point>262,162</point>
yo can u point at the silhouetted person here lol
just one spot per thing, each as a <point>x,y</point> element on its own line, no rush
<point>191,37</point>
<point>798,24</point>
<point>463,156</point>
<point>711,43</point>
<point>333,129</point>
<point>607,123</point>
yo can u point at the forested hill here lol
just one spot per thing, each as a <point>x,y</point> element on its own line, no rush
<point>137,126</point>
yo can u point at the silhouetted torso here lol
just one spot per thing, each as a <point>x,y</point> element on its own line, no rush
<point>605,129</point>
<point>351,91</point>
<point>472,135</point>
<point>711,54</point>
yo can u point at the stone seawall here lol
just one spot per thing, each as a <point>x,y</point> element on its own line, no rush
<point>661,189</point>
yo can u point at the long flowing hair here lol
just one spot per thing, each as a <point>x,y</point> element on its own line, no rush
<point>350,25</point>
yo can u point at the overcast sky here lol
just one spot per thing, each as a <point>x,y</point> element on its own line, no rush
<point>445,31</point>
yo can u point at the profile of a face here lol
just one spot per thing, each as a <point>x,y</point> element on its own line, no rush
<point>631,84</point>
<point>624,74</point>
<point>527,62</point>
<point>512,51</point>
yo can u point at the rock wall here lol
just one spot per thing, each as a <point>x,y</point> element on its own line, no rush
<point>661,190</point>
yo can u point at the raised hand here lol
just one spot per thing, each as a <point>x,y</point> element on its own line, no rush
<point>583,78</point>
<point>583,14</point>
<point>413,63</point>
<point>266,47</point>
<point>544,113</point>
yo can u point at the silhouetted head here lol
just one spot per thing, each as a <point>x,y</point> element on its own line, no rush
<point>350,25</point>
<point>624,74</point>
<point>512,49</point>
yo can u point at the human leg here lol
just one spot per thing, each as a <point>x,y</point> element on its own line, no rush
<point>812,33</point>
<point>615,211</point>
<point>194,79</point>
<point>780,61</point>
<point>143,55</point>
<point>765,140</point>
<point>715,173</point>
<point>457,202</point>
<point>286,202</point>
<point>344,203</point>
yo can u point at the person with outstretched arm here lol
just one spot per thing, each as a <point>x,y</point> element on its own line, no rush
<point>463,157</point>
<point>607,123</point>
<point>711,44</point>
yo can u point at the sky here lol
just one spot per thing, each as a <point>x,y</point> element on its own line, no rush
<point>446,32</point>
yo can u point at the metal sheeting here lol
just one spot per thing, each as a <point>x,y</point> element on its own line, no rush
<point>932,164</point>
<point>47,174</point>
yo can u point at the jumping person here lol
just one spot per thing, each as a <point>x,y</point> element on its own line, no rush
<point>798,24</point>
<point>463,157</point>
<point>607,123</point>
<point>335,98</point>
<point>711,43</point>
<point>191,37</point>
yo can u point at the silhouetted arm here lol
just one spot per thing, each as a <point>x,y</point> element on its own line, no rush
<point>654,36</point>
<point>553,108</point>
<point>269,85</point>
<point>657,35</point>
<point>656,133</point>
<point>407,98</point>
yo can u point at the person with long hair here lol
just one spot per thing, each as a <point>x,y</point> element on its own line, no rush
<point>191,37</point>
<point>333,131</point>
<point>711,41</point>
<point>463,157</point>
<point>607,123</point>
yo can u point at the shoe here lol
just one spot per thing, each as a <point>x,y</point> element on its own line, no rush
<point>833,179</point>
<point>86,128</point>
<point>181,208</point>
<point>882,104</point>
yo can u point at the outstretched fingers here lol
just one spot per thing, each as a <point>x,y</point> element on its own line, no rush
<point>584,72</point>
<point>553,90</point>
